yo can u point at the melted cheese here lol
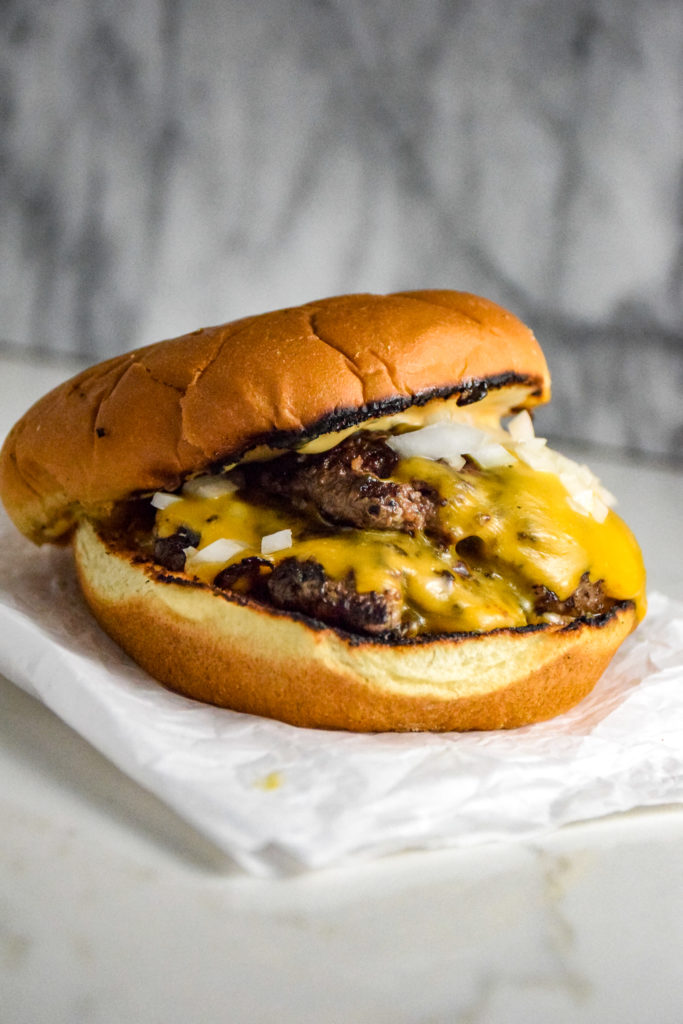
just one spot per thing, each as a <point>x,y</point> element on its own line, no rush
<point>528,534</point>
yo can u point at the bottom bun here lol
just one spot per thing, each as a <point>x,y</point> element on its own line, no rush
<point>235,653</point>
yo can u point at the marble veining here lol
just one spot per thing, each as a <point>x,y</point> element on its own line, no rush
<point>166,165</point>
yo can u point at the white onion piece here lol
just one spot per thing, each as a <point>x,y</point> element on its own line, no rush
<point>162,500</point>
<point>276,542</point>
<point>491,455</point>
<point>220,550</point>
<point>209,487</point>
<point>606,496</point>
<point>574,481</point>
<point>587,503</point>
<point>582,501</point>
<point>535,454</point>
<point>521,427</point>
<point>449,441</point>
<point>440,587</point>
<point>577,479</point>
<point>600,509</point>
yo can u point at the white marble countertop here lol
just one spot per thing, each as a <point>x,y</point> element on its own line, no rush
<point>112,909</point>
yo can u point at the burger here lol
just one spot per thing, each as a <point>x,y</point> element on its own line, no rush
<point>336,515</point>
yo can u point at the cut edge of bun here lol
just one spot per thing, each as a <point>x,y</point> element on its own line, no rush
<point>230,652</point>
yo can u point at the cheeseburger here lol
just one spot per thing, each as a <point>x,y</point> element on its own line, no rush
<point>336,515</point>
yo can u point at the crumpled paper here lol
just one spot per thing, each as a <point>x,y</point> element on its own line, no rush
<point>277,798</point>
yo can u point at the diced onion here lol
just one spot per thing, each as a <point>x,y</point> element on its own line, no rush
<point>535,454</point>
<point>448,441</point>
<point>209,486</point>
<point>600,509</point>
<point>162,500</point>
<point>440,587</point>
<point>582,501</point>
<point>220,550</point>
<point>451,442</point>
<point>276,542</point>
<point>588,503</point>
<point>491,455</point>
<point>521,427</point>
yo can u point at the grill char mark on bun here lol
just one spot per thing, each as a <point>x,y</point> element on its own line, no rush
<point>465,393</point>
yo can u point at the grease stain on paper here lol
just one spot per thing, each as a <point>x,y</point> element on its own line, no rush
<point>273,780</point>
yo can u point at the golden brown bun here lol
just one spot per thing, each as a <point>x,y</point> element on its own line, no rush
<point>142,421</point>
<point>233,653</point>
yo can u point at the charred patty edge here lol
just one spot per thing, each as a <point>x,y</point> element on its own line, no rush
<point>158,574</point>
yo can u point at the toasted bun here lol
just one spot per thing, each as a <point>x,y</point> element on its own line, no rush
<point>144,420</point>
<point>234,653</point>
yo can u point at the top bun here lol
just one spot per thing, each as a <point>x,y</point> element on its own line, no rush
<point>144,420</point>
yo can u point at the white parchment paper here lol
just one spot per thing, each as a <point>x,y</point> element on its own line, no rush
<point>278,798</point>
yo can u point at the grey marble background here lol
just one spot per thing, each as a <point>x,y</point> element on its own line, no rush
<point>166,164</point>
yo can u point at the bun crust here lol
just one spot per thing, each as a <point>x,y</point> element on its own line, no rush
<point>142,421</point>
<point>233,653</point>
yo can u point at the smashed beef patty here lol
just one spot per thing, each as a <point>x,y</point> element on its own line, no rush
<point>303,586</point>
<point>348,485</point>
<point>589,598</point>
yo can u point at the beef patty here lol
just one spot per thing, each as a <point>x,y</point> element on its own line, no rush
<point>348,485</point>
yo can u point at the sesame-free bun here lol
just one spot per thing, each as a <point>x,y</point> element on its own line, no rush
<point>144,420</point>
<point>231,652</point>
